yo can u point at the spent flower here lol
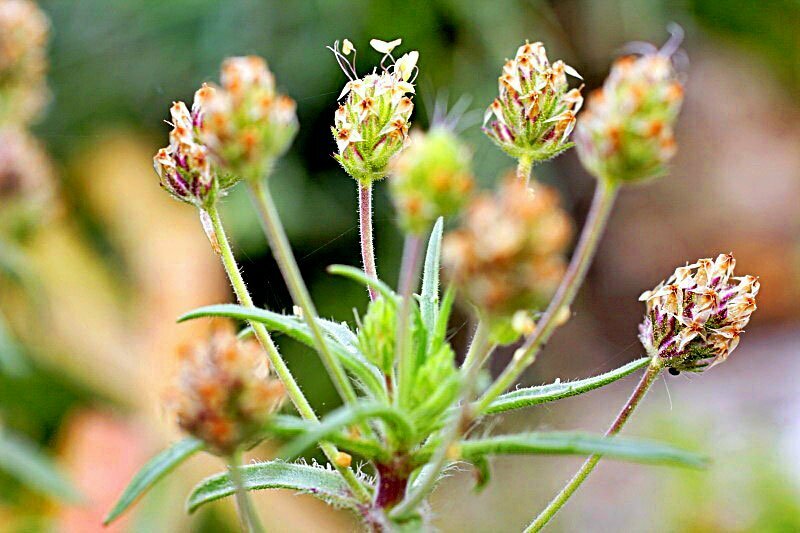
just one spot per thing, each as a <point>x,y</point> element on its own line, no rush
<point>694,319</point>
<point>535,112</point>
<point>372,120</point>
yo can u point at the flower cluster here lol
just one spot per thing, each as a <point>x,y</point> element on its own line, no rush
<point>627,131</point>
<point>508,255</point>
<point>184,167</point>
<point>225,395</point>
<point>245,123</point>
<point>694,318</point>
<point>535,112</point>
<point>23,36</point>
<point>371,124</point>
<point>431,178</point>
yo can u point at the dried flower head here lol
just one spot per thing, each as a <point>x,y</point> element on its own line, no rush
<point>245,123</point>
<point>225,394</point>
<point>627,131</point>
<point>26,182</point>
<point>371,124</point>
<point>23,37</point>
<point>184,167</point>
<point>694,319</point>
<point>508,255</point>
<point>535,112</point>
<point>430,178</point>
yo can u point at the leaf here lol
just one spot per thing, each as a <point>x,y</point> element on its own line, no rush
<point>327,485</point>
<point>287,427</point>
<point>556,391</point>
<point>429,295</point>
<point>155,469</point>
<point>12,362</point>
<point>569,443</point>
<point>24,461</point>
<point>358,275</point>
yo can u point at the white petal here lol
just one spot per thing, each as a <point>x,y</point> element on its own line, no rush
<point>572,72</point>
<point>347,47</point>
<point>345,90</point>
<point>384,47</point>
<point>405,65</point>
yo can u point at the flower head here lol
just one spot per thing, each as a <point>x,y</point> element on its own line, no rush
<point>224,394</point>
<point>430,178</point>
<point>245,123</point>
<point>508,255</point>
<point>372,120</point>
<point>184,167</point>
<point>535,111</point>
<point>23,37</point>
<point>627,131</point>
<point>694,319</point>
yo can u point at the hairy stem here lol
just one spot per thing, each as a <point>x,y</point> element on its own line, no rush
<point>247,515</point>
<point>365,230</point>
<point>284,374</point>
<point>409,273</point>
<point>656,365</point>
<point>524,166</point>
<point>603,201</point>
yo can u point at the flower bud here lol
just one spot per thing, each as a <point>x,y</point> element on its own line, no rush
<point>694,318</point>
<point>627,133</point>
<point>23,37</point>
<point>376,334</point>
<point>184,167</point>
<point>245,123</point>
<point>430,178</point>
<point>371,124</point>
<point>535,112</point>
<point>508,254</point>
<point>224,394</point>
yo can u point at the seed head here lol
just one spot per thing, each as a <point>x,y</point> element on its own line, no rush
<point>23,63</point>
<point>246,124</point>
<point>430,178</point>
<point>627,131</point>
<point>371,123</point>
<point>508,254</point>
<point>224,395</point>
<point>535,111</point>
<point>694,318</point>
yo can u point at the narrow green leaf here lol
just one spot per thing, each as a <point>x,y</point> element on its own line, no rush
<point>155,469</point>
<point>358,275</point>
<point>12,362</point>
<point>288,427</point>
<point>568,443</point>
<point>443,316</point>
<point>24,461</point>
<point>324,484</point>
<point>556,391</point>
<point>429,295</point>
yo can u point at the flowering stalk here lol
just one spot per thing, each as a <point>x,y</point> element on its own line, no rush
<point>365,231</point>
<point>524,167</point>
<point>247,515</point>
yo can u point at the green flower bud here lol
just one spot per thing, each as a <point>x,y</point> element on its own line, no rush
<point>627,133</point>
<point>430,178</point>
<point>376,334</point>
<point>371,125</point>
<point>245,123</point>
<point>535,112</point>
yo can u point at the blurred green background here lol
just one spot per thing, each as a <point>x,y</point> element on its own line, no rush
<point>121,260</point>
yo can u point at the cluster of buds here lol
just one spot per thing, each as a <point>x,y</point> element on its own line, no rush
<point>224,394</point>
<point>535,112</point>
<point>245,123</point>
<point>26,182</point>
<point>626,133</point>
<point>431,178</point>
<point>371,125</point>
<point>23,37</point>
<point>183,167</point>
<point>694,318</point>
<point>508,256</point>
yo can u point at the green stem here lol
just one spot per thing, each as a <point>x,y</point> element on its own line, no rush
<point>524,166</point>
<point>649,377</point>
<point>271,223</point>
<point>365,231</point>
<point>247,515</point>
<point>284,374</point>
<point>479,349</point>
<point>409,273</point>
<point>603,201</point>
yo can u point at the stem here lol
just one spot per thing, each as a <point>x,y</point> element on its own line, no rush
<point>271,223</point>
<point>603,201</point>
<point>656,365</point>
<point>284,374</point>
<point>478,351</point>
<point>247,515</point>
<point>524,166</point>
<point>365,227</point>
<point>409,272</point>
